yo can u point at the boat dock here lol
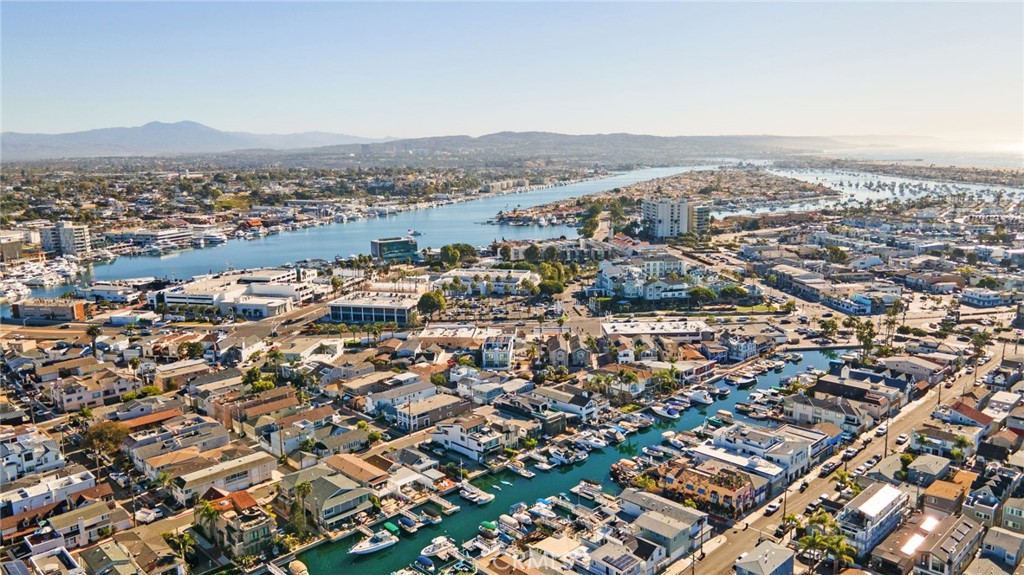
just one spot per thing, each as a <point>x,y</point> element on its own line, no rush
<point>446,506</point>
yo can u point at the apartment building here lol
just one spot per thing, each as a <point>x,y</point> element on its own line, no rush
<point>871,516</point>
<point>232,475</point>
<point>66,239</point>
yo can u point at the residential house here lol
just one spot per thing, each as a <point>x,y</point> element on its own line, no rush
<point>949,548</point>
<point>768,558</point>
<point>804,410</point>
<point>418,415</point>
<point>569,353</point>
<point>24,451</point>
<point>470,436</point>
<point>232,475</point>
<point>242,526</point>
<point>1003,545</point>
<point>984,503</point>
<point>79,527</point>
<point>872,515</point>
<point>573,400</point>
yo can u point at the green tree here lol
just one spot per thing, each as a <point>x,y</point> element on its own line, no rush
<point>261,385</point>
<point>733,293</point>
<point>828,327</point>
<point>374,437</point>
<point>298,519</point>
<point>149,390</point>
<point>450,255</point>
<point>701,295</point>
<point>94,332</point>
<point>105,437</point>
<point>866,336</point>
<point>506,253</point>
<point>206,514</point>
<point>532,254</point>
<point>361,424</point>
<point>551,287</point>
<point>184,544</point>
<point>276,358</point>
<point>251,376</point>
<point>438,379</point>
<point>836,254</point>
<point>431,303</point>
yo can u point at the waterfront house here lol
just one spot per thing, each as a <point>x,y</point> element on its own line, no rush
<point>570,399</point>
<point>242,526</point>
<point>470,436</point>
<point>805,410</point>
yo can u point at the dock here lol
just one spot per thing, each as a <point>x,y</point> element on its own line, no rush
<point>446,506</point>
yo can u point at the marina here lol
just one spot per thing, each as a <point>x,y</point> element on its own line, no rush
<point>513,500</point>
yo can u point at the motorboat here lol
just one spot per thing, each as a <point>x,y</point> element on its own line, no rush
<point>665,412</point>
<point>653,451</point>
<point>541,509</point>
<point>701,396</point>
<point>614,436</point>
<point>520,513</point>
<point>643,421</point>
<point>488,529</point>
<point>740,380</point>
<point>722,391</point>
<point>543,466</point>
<point>522,471</point>
<point>593,441</point>
<point>559,457</point>
<point>430,517</point>
<point>475,494</point>
<point>437,546</point>
<point>414,233</point>
<point>378,541</point>
<point>407,525</point>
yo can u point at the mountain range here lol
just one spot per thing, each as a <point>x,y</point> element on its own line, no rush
<point>158,139</point>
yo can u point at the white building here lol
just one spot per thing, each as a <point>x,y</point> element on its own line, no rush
<point>373,307</point>
<point>981,297</point>
<point>53,488</point>
<point>665,217</point>
<point>24,450</point>
<point>66,238</point>
<point>498,352</point>
<point>872,516</point>
<point>469,436</point>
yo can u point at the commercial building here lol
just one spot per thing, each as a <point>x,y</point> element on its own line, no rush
<point>373,307</point>
<point>50,309</point>
<point>65,238</point>
<point>394,248</point>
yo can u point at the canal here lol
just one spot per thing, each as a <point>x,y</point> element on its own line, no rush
<point>334,558</point>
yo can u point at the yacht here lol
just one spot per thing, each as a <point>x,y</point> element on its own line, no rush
<point>414,233</point>
<point>543,466</point>
<point>437,546</point>
<point>380,540</point>
<point>558,457</point>
<point>722,391</point>
<point>475,494</point>
<point>522,471</point>
<point>520,513</point>
<point>593,441</point>
<point>701,396</point>
<point>213,238</point>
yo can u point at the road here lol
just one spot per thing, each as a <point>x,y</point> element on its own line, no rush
<point>721,560</point>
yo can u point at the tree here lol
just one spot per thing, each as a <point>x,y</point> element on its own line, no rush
<point>251,376</point>
<point>828,327</point>
<point>840,550</point>
<point>134,363</point>
<point>262,385</point>
<point>450,255</point>
<point>276,358</point>
<point>532,254</point>
<point>431,303</point>
<point>551,287</point>
<point>206,515</point>
<point>438,379</point>
<point>105,437</point>
<point>960,445</point>
<point>374,437</point>
<point>836,254</point>
<point>191,350</point>
<point>94,332</point>
<point>701,295</point>
<point>866,336</point>
<point>183,543</point>
<point>298,519</point>
<point>733,293</point>
<point>506,253</point>
<point>149,390</point>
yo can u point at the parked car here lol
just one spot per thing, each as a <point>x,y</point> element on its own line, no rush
<point>771,508</point>
<point>880,431</point>
<point>903,438</point>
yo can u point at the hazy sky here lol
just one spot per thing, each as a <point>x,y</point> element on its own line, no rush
<point>948,70</point>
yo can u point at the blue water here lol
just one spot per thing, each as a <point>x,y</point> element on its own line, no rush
<point>462,526</point>
<point>442,225</point>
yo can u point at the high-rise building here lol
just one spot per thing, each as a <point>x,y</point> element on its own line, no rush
<point>670,217</point>
<point>66,238</point>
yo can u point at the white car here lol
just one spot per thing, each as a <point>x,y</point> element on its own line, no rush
<point>881,430</point>
<point>771,508</point>
<point>903,438</point>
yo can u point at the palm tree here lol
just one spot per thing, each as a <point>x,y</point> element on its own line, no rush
<point>959,445</point>
<point>814,542</point>
<point>302,491</point>
<point>842,477</point>
<point>793,520</point>
<point>840,550</point>
<point>163,481</point>
<point>134,363</point>
<point>275,357</point>
<point>184,543</point>
<point>206,514</point>
<point>94,332</point>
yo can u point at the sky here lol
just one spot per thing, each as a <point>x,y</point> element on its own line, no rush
<point>946,70</point>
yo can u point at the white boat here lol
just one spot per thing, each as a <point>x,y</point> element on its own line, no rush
<point>558,457</point>
<point>214,238</point>
<point>722,391</point>
<point>665,412</point>
<point>379,540</point>
<point>543,466</point>
<point>593,441</point>
<point>701,396</point>
<point>475,494</point>
<point>522,471</point>
<point>414,233</point>
<point>437,546</point>
<point>523,518</point>
<point>469,495</point>
<point>541,510</point>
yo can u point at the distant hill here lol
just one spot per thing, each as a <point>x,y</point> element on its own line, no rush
<point>156,139</point>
